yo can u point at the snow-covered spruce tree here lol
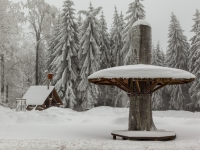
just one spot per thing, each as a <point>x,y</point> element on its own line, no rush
<point>194,64</point>
<point>54,53</point>
<point>159,55</point>
<point>156,56</point>
<point>116,40</point>
<point>165,92</point>
<point>78,80</point>
<point>52,44</point>
<point>153,56</point>
<point>65,55</point>
<point>195,29</point>
<point>117,56</point>
<point>105,60</point>
<point>56,68</point>
<point>177,57</point>
<point>89,56</point>
<point>135,12</point>
<point>105,57</point>
<point>79,20</point>
<point>163,57</point>
<point>158,60</point>
<point>122,22</point>
<point>157,100</point>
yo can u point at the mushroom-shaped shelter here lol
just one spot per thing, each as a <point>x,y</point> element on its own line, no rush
<point>150,77</point>
<point>141,72</point>
<point>140,81</point>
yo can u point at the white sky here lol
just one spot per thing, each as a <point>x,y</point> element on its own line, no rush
<point>158,13</point>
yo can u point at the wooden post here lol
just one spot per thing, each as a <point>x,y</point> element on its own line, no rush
<point>140,113</point>
<point>114,137</point>
<point>49,79</point>
<point>48,82</point>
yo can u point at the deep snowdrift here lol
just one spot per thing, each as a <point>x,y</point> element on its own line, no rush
<point>57,128</point>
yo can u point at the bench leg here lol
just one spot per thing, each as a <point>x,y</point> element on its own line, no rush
<point>114,137</point>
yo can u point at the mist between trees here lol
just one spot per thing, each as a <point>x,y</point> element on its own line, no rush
<point>36,38</point>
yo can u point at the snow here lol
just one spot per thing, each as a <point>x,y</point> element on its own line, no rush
<point>57,128</point>
<point>141,22</point>
<point>142,71</point>
<point>36,95</point>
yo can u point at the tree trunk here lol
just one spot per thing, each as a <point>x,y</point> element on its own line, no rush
<point>141,44</point>
<point>140,113</point>
<point>144,54</point>
<point>2,77</point>
<point>7,94</point>
<point>37,62</point>
<point>185,89</point>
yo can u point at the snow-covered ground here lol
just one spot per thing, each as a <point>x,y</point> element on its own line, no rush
<point>65,129</point>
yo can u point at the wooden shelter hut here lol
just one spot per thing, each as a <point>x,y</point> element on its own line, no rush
<point>42,97</point>
<point>140,81</point>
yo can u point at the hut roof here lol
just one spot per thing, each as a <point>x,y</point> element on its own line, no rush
<point>36,95</point>
<point>141,71</point>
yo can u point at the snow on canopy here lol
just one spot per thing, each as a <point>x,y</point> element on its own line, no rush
<point>36,95</point>
<point>142,71</point>
<point>141,22</point>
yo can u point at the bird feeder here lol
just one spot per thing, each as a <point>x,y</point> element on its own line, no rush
<point>50,78</point>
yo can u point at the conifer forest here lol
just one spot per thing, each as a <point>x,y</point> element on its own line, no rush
<point>37,38</point>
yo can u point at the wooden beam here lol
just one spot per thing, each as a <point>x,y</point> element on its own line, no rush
<point>119,86</point>
<point>138,86</point>
<point>113,83</point>
<point>153,85</point>
<point>55,94</point>
<point>102,80</point>
<point>104,83</point>
<point>180,83</point>
<point>161,86</point>
<point>163,81</point>
<point>124,85</point>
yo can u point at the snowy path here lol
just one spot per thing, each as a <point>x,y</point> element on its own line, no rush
<point>64,129</point>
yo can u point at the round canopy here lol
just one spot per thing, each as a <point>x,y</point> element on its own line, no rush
<point>120,76</point>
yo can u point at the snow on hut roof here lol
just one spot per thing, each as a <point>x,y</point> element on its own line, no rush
<point>142,71</point>
<point>141,22</point>
<point>36,95</point>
